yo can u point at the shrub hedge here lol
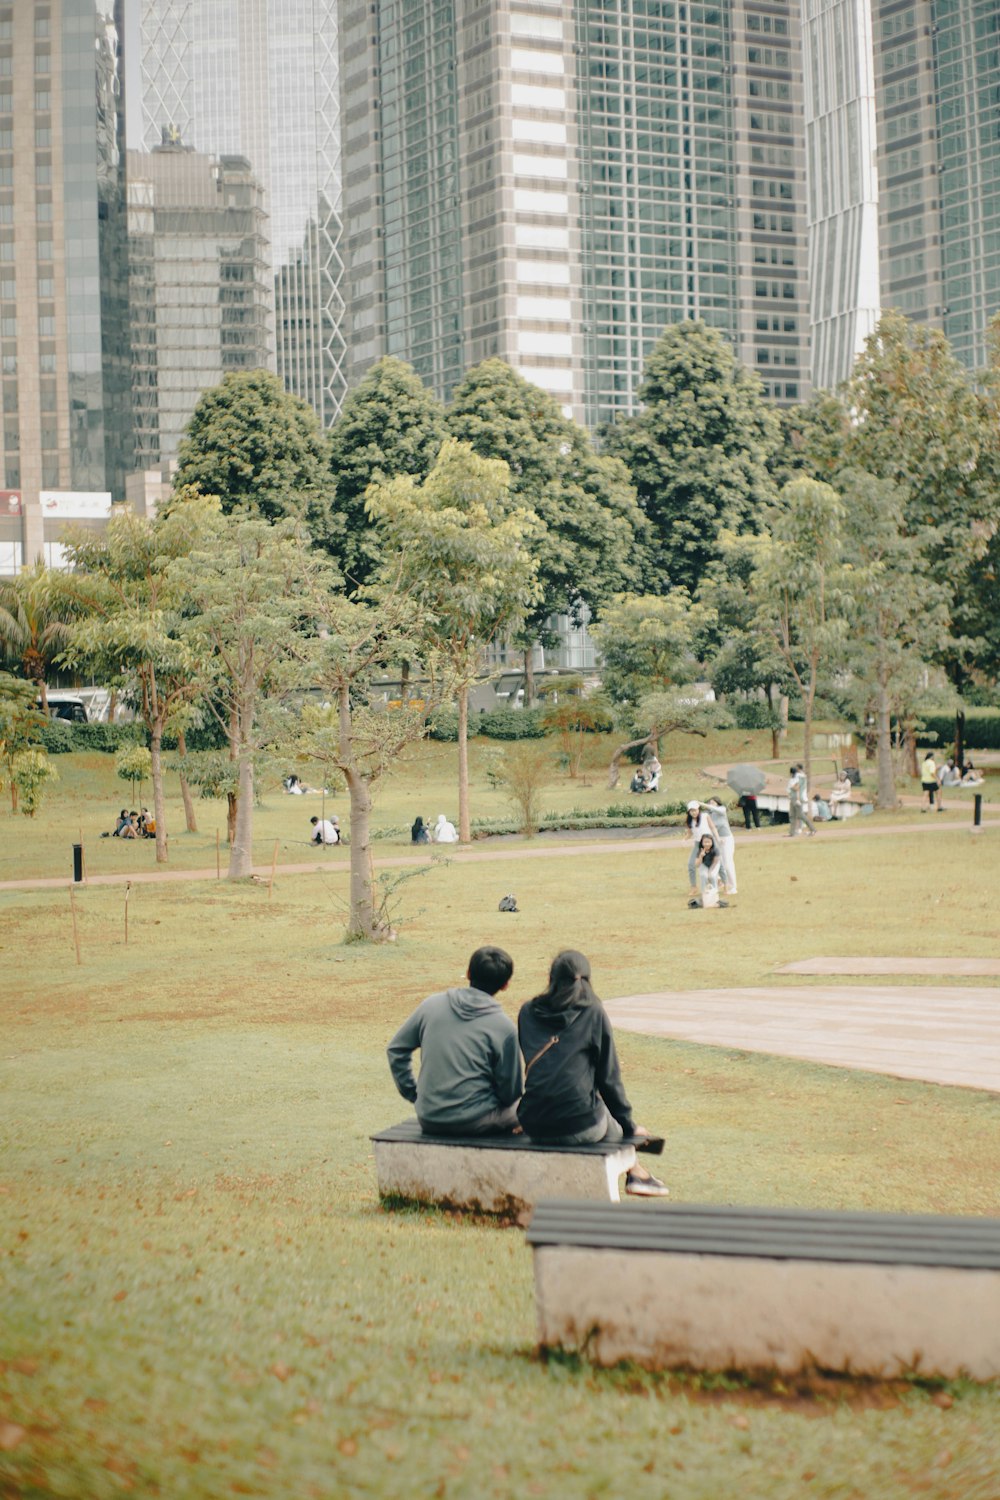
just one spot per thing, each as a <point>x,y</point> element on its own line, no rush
<point>495,724</point>
<point>753,713</point>
<point>982,729</point>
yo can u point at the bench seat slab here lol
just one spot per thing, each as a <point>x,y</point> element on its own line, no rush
<point>501,1179</point>
<point>725,1312</point>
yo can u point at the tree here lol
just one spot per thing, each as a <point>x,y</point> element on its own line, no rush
<point>591,538</point>
<point>898,612</point>
<point>463,557</point>
<point>698,451</point>
<point>21,725</point>
<point>646,643</point>
<point>521,772</point>
<point>572,716</point>
<point>674,711</point>
<point>251,589</point>
<point>389,425</point>
<point>31,771</point>
<point>135,620</point>
<point>355,736</point>
<point>36,615</point>
<point>259,450</point>
<point>801,587</point>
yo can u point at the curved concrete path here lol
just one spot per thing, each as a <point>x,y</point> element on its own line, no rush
<point>941,1034</point>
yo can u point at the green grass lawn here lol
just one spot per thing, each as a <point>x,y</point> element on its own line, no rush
<point>199,1293</point>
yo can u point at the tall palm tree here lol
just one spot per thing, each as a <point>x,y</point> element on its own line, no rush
<point>35,615</point>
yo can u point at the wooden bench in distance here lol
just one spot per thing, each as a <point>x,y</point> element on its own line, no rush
<point>763,1288</point>
<point>494,1174</point>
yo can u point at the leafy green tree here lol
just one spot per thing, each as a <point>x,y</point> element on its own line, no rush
<point>135,620</point>
<point>463,550</point>
<point>698,451</point>
<point>898,612</point>
<point>133,763</point>
<point>590,541</point>
<point>36,614</point>
<point>259,450</point>
<point>680,710</point>
<point>21,725</point>
<point>800,587</point>
<point>32,771</point>
<point>646,643</point>
<point>572,716</point>
<point>390,424</point>
<point>250,588</point>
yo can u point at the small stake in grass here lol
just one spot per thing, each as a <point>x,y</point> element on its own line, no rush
<point>128,887</point>
<point>274,861</point>
<point>76,932</point>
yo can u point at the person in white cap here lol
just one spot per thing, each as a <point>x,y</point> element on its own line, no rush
<point>444,832</point>
<point>697,824</point>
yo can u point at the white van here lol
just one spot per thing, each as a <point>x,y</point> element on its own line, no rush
<point>69,706</point>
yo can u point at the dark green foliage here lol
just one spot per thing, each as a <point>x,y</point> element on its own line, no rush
<point>699,450</point>
<point>390,424</point>
<point>108,737</point>
<point>56,737</point>
<point>260,450</point>
<point>592,539</point>
<point>209,735</point>
<point>510,724</point>
<point>443,724</point>
<point>754,713</point>
<point>982,729</point>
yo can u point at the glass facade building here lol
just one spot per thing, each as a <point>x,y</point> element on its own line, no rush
<point>554,182</point>
<point>66,417</point>
<point>199,286</point>
<point>259,79</point>
<point>843,183</point>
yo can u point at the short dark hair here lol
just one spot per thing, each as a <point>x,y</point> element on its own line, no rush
<point>314,820</point>
<point>490,969</point>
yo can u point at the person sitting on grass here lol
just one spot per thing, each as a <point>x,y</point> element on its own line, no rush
<point>121,824</point>
<point>470,1067</point>
<point>130,828</point>
<point>573,1092</point>
<point>444,831</point>
<point>324,831</point>
<point>972,777</point>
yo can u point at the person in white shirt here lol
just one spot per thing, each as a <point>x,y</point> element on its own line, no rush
<point>444,832</point>
<point>798,803</point>
<point>325,831</point>
<point>696,825</point>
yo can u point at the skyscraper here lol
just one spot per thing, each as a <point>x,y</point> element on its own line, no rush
<point>938,80</point>
<point>259,79</point>
<point>63,266</point>
<point>199,286</point>
<point>843,183</point>
<point>554,181</point>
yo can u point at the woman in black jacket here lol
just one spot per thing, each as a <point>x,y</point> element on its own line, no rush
<point>573,1093</point>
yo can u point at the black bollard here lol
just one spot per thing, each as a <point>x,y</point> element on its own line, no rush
<point>77,863</point>
<point>977,811</point>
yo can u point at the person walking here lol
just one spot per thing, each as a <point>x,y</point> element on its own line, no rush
<point>798,803</point>
<point>929,781</point>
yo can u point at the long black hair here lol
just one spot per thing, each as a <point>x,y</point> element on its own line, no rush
<point>569,983</point>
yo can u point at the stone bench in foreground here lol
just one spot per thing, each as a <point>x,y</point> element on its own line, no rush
<point>494,1174</point>
<point>777,1289</point>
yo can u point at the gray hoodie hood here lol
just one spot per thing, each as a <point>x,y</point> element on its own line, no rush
<point>467,1003</point>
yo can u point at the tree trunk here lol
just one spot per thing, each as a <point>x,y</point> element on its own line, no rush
<point>241,853</point>
<point>779,706</point>
<point>529,677</point>
<point>614,770</point>
<point>886,771</point>
<point>159,801</point>
<point>191,822</point>
<point>959,746</point>
<point>363,924</point>
<point>807,731</point>
<point>464,821</point>
<point>233,797</point>
<point>910,749</point>
<point>232,807</point>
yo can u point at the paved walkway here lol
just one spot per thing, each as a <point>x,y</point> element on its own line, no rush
<point>942,1034</point>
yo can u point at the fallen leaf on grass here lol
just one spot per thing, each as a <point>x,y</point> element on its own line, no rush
<point>281,1371</point>
<point>25,1366</point>
<point>943,1459</point>
<point>348,1447</point>
<point>10,1436</point>
<point>943,1400</point>
<point>741,1422</point>
<point>119,1296</point>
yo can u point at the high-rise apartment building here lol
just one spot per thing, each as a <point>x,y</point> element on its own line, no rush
<point>199,286</point>
<point>555,181</point>
<point>938,80</point>
<point>843,183</point>
<point>66,420</point>
<point>259,79</point>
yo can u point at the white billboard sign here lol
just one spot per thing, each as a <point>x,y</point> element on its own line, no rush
<point>76,505</point>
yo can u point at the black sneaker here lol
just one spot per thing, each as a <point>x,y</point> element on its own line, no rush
<point>645,1187</point>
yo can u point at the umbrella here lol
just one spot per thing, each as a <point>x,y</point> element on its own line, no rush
<point>745,780</point>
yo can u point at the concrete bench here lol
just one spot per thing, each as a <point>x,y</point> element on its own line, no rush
<point>762,1288</point>
<point>494,1174</point>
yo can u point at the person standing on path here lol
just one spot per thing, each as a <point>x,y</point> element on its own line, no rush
<point>798,803</point>
<point>726,842</point>
<point>929,781</point>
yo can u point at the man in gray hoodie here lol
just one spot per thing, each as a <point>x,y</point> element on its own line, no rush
<point>470,1064</point>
